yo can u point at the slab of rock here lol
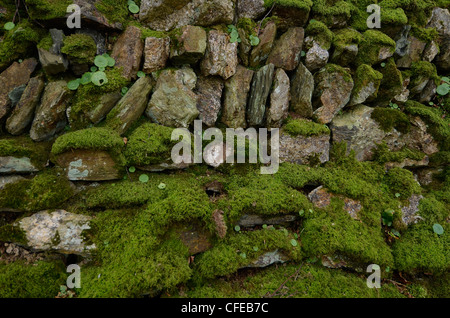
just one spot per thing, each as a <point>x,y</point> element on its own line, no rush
<point>173,102</point>
<point>279,100</point>
<point>409,213</point>
<point>251,9</point>
<point>235,98</point>
<point>252,220</point>
<point>103,107</point>
<point>266,39</point>
<point>209,92</point>
<point>16,75</point>
<point>321,198</point>
<point>89,165</point>
<point>92,18</point>
<point>52,61</point>
<point>430,52</point>
<point>156,53</point>
<point>443,59</point>
<point>127,52</point>
<point>260,90</point>
<point>131,106</point>
<point>191,45</point>
<point>290,16</point>
<point>287,49</point>
<point>316,57</point>
<point>50,116</point>
<point>221,55</point>
<point>302,88</point>
<point>367,84</point>
<point>333,88</point>
<point>304,149</point>
<point>267,259</point>
<point>414,50</point>
<point>10,164</point>
<point>58,231</point>
<point>23,113</point>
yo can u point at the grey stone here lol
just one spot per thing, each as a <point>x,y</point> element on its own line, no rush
<point>279,100</point>
<point>304,149</point>
<point>209,92</point>
<point>409,213</point>
<point>156,53</point>
<point>302,89</point>
<point>316,57</point>
<point>261,85</point>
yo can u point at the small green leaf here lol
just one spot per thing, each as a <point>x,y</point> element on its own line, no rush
<point>162,186</point>
<point>99,78</point>
<point>101,61</point>
<point>438,229</point>
<point>383,64</point>
<point>254,40</point>
<point>111,61</point>
<point>445,79</point>
<point>397,195</point>
<point>387,270</point>
<point>443,89</point>
<point>395,232</point>
<point>140,74</point>
<point>73,85</point>
<point>237,228</point>
<point>9,26</point>
<point>133,8</point>
<point>294,242</point>
<point>124,90</point>
<point>264,226</point>
<point>431,103</point>
<point>94,69</point>
<point>255,248</point>
<point>243,255</point>
<point>295,235</point>
<point>303,53</point>
<point>86,78</point>
<point>143,178</point>
<point>131,169</point>
<point>301,212</point>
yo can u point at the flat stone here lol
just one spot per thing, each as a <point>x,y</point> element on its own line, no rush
<point>195,238</point>
<point>268,259</point>
<point>304,149</point>
<point>191,45</point>
<point>11,164</point>
<point>287,49</point>
<point>321,198</point>
<point>104,106</point>
<point>252,220</point>
<point>209,92</point>
<point>251,9</point>
<point>4,180</point>
<point>260,90</point>
<point>261,52</point>
<point>302,89</point>
<point>156,53</point>
<point>316,57</point>
<point>127,52</point>
<point>409,213</point>
<point>279,100</point>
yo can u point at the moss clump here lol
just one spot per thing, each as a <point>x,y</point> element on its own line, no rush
<point>346,36</point>
<point>47,9</point>
<point>40,280</point>
<point>391,118</point>
<point>422,70</point>
<point>80,48</point>
<point>149,144</point>
<point>402,181</point>
<point>365,74</point>
<point>392,82</point>
<point>303,127</point>
<point>113,10</point>
<point>298,4</point>
<point>383,154</point>
<point>18,43</point>
<point>45,191</point>
<point>46,42</point>
<point>12,233</point>
<point>25,147</point>
<point>371,44</point>
<point>149,33</point>
<point>425,34</point>
<point>334,68</point>
<point>320,32</point>
<point>238,250</point>
<point>329,11</point>
<point>420,249</point>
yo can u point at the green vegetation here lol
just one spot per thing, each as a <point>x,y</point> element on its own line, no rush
<point>25,147</point>
<point>116,11</point>
<point>322,35</point>
<point>47,9</point>
<point>303,127</point>
<point>383,154</point>
<point>371,44</point>
<point>80,48</point>
<point>391,118</point>
<point>365,75</point>
<point>298,4</point>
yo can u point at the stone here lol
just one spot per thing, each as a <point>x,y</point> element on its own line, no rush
<point>156,53</point>
<point>103,107</point>
<point>279,100</point>
<point>402,42</point>
<point>316,57</point>
<point>428,92</point>
<point>290,16</point>
<point>131,106</point>
<point>404,94</point>
<point>268,259</point>
<point>344,55</point>
<point>304,149</point>
<point>333,88</point>
<point>219,222</point>
<point>221,55</point>
<point>23,113</point>
<point>251,9</point>
<point>58,231</point>
<point>173,102</point>
<point>261,52</point>
<point>443,59</point>
<point>287,49</point>
<point>235,94</point>
<point>15,75</point>
<point>413,53</point>
<point>302,88</point>
<point>169,14</point>
<point>10,164</point>
<point>321,198</point>
<point>127,52</point>
<point>209,92</point>
<point>98,38</point>
<point>191,45</point>
<point>50,117</point>
<point>430,52</point>
<point>165,165</point>
<point>52,60</point>
<point>89,165</point>
<point>215,154</point>
<point>367,84</point>
<point>252,220</point>
<point>15,95</point>
<point>260,90</point>
<point>194,237</point>
<point>440,20</point>
<point>245,46</point>
<point>92,18</point>
<point>409,213</point>
<point>4,180</point>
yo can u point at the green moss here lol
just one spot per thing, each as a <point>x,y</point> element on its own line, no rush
<point>47,9</point>
<point>80,48</point>
<point>421,71</point>
<point>402,181</point>
<point>12,233</point>
<point>334,68</point>
<point>296,127</point>
<point>25,147</point>
<point>417,11</point>
<point>147,33</point>
<point>392,82</point>
<point>422,249</point>
<point>113,10</point>
<point>40,280</point>
<point>328,11</point>
<point>322,35</point>
<point>391,118</point>
<point>383,154</point>
<point>45,191</point>
<point>371,44</point>
<point>227,256</point>
<point>346,36</point>
<point>298,4</point>
<point>46,42</point>
<point>425,34</point>
<point>365,75</point>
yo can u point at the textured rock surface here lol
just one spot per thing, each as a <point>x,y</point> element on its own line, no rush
<point>236,91</point>
<point>103,107</point>
<point>50,117</point>
<point>127,52</point>
<point>191,45</point>
<point>316,57</point>
<point>302,89</point>
<point>321,198</point>
<point>156,53</point>
<point>221,55</point>
<point>173,102</point>
<point>279,100</point>
<point>286,51</point>
<point>261,85</point>
<point>261,52</point>
<point>304,149</point>
<point>252,220</point>
<point>409,212</point>
<point>251,9</point>
<point>11,164</point>
<point>209,92</point>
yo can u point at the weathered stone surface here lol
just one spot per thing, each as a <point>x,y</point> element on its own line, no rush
<point>440,20</point>
<point>279,100</point>
<point>430,52</point>
<point>302,89</point>
<point>173,102</point>
<point>11,164</point>
<point>404,94</point>
<point>15,95</point>
<point>290,16</point>
<point>245,46</point>
<point>166,15</point>
<point>367,84</point>
<point>304,149</point>
<point>59,231</point>
<point>16,75</point>
<point>402,42</point>
<point>92,18</point>
<point>344,55</point>
<point>219,222</point>
<point>316,57</point>
<point>333,88</point>
<point>209,92</point>
<point>156,53</point>
<point>103,107</point>
<point>221,55</point>
<point>22,114</point>
<point>131,106</point>
<point>409,213</point>
<point>88,165</point>
<point>267,259</point>
<point>251,9</point>
<point>128,50</point>
<point>4,180</point>
<point>194,237</point>
<point>443,59</point>
<point>50,115</point>
<point>413,53</point>
<point>235,98</point>
<point>428,92</point>
<point>321,198</point>
<point>165,165</point>
<point>191,45</point>
<point>266,39</point>
<point>261,85</point>
<point>52,61</point>
<point>287,49</point>
<point>252,220</point>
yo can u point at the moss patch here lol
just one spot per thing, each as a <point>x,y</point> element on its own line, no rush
<point>391,118</point>
<point>371,44</point>
<point>322,35</point>
<point>303,127</point>
<point>25,147</point>
<point>80,48</point>
<point>47,9</point>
